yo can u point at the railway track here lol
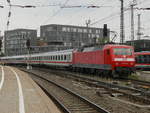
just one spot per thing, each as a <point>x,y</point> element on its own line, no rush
<point>134,95</point>
<point>143,85</point>
<point>68,100</point>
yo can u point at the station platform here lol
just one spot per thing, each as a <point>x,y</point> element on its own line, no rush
<point>20,94</point>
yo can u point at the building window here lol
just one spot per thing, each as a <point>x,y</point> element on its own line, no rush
<point>97,36</point>
<point>49,29</point>
<point>80,30</point>
<point>85,30</point>
<point>74,30</point>
<point>97,31</point>
<point>43,34</point>
<point>64,29</point>
<point>68,29</point>
<point>89,30</point>
<point>93,35</point>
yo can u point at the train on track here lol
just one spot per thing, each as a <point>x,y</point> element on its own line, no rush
<point>142,60</point>
<point>107,60</point>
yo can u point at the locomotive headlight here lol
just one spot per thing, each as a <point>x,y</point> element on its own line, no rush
<point>131,63</point>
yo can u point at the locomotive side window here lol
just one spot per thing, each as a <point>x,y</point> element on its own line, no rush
<point>108,52</point>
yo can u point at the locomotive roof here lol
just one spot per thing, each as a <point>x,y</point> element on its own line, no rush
<point>142,53</point>
<point>100,47</point>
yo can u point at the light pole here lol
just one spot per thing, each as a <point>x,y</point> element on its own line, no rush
<point>29,55</point>
<point>122,35</point>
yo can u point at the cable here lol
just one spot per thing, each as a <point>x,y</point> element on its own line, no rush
<point>9,15</point>
<point>58,11</point>
<point>110,16</point>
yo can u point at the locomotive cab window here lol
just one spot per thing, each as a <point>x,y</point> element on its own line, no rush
<point>122,51</point>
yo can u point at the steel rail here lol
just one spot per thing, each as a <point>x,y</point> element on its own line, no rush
<point>95,106</point>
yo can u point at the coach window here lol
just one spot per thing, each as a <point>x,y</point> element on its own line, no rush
<point>148,58</point>
<point>58,57</point>
<point>142,59</point>
<point>55,57</point>
<point>65,57</point>
<point>68,57</point>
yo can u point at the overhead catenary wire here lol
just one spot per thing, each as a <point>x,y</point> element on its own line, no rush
<point>116,14</point>
<point>57,12</point>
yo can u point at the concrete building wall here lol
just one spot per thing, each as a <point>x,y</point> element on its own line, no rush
<point>140,45</point>
<point>73,36</point>
<point>15,41</point>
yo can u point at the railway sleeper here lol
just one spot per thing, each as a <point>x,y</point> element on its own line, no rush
<point>136,94</point>
<point>116,94</point>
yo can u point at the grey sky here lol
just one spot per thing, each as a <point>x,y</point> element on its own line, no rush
<point>34,17</point>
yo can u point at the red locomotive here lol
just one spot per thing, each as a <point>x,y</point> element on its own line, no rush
<point>142,60</point>
<point>106,60</point>
<point>103,60</point>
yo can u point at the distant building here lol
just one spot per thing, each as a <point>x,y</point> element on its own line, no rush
<point>140,45</point>
<point>15,41</point>
<point>71,36</point>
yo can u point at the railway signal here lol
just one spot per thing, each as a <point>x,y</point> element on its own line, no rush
<point>105,34</point>
<point>28,43</point>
